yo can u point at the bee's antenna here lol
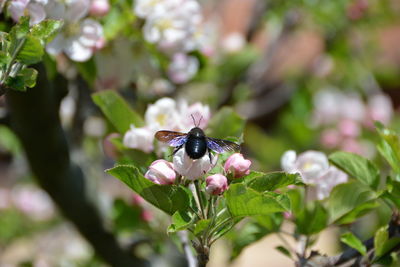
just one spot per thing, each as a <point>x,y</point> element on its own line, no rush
<point>194,122</point>
<point>200,121</point>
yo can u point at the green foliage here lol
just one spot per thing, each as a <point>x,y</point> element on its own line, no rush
<point>357,167</point>
<point>274,180</point>
<point>319,221</point>
<point>389,147</point>
<point>244,201</point>
<point>383,244</point>
<point>349,201</point>
<point>125,217</point>
<point>226,123</point>
<point>21,47</point>
<point>181,220</point>
<point>352,241</point>
<point>117,110</point>
<point>168,198</point>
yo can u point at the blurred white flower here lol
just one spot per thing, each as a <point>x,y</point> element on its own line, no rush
<point>99,7</point>
<point>332,177</point>
<point>139,138</point>
<point>314,169</point>
<point>162,115</point>
<point>33,201</point>
<point>352,107</point>
<point>193,169</point>
<point>327,106</point>
<point>35,9</point>
<point>182,68</point>
<point>233,42</point>
<point>94,126</point>
<point>380,108</point>
<point>79,37</point>
<point>201,114</point>
<point>144,8</point>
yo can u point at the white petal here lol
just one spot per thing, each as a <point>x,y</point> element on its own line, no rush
<point>36,12</point>
<point>76,51</point>
<point>76,9</point>
<point>56,46</point>
<point>91,32</point>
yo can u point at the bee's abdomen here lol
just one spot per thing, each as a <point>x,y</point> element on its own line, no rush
<point>196,147</point>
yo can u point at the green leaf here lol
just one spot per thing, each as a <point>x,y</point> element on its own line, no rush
<point>201,226</point>
<point>274,180</point>
<point>169,198</point>
<point>244,201</point>
<point>46,29</point>
<point>117,110</point>
<point>389,146</point>
<point>320,219</point>
<point>353,242</point>
<point>88,70</point>
<point>180,221</point>
<point>31,52</point>
<point>381,236</point>
<point>349,197</point>
<point>226,123</point>
<point>29,76</point>
<point>357,167</point>
<point>125,217</point>
<point>284,251</point>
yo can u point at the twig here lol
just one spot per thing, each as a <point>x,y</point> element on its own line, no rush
<point>191,259</point>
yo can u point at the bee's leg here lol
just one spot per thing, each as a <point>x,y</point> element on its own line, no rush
<point>176,149</point>
<point>209,155</point>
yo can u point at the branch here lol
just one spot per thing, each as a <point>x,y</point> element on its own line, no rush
<point>34,117</point>
<point>191,259</point>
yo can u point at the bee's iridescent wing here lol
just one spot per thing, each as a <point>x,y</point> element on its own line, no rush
<point>174,139</point>
<point>221,146</point>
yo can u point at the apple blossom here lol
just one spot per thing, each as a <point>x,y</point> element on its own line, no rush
<point>79,37</point>
<point>161,172</point>
<point>163,114</point>
<point>237,165</point>
<point>34,8</point>
<point>99,7</point>
<point>216,184</point>
<point>192,169</point>
<point>139,138</point>
<point>330,138</point>
<point>349,128</point>
<point>288,161</point>
<point>332,177</point>
<point>33,201</point>
<point>233,42</point>
<point>182,68</point>
<point>380,108</point>
<point>201,114</point>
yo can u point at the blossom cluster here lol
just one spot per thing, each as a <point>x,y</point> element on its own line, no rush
<point>315,170</point>
<point>342,116</point>
<point>30,200</point>
<point>163,172</point>
<point>166,114</point>
<point>80,35</point>
<point>175,26</point>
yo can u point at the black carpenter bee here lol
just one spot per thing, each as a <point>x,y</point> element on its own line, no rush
<point>196,143</point>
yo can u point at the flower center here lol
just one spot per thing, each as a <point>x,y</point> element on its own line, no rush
<point>71,29</point>
<point>161,119</point>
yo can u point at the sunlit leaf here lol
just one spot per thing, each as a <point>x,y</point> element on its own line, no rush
<point>352,241</point>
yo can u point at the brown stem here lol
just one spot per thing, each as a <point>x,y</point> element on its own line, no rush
<point>35,120</point>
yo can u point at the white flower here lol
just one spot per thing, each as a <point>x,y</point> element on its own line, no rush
<point>182,68</point>
<point>380,108</point>
<point>288,161</point>
<point>234,42</point>
<point>193,169</point>
<point>34,9</point>
<point>139,138</point>
<point>327,106</point>
<point>201,114</point>
<point>352,107</point>
<point>78,38</point>
<point>162,115</point>
<point>144,8</point>
<point>332,177</point>
<point>33,202</point>
<point>311,165</point>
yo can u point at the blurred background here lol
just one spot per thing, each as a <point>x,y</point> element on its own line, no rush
<point>308,74</point>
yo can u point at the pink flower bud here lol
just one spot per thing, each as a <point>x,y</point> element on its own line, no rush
<point>137,200</point>
<point>349,128</point>
<point>99,7</point>
<point>161,172</point>
<point>146,216</point>
<point>216,184</point>
<point>237,165</point>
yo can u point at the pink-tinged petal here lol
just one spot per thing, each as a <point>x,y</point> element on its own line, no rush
<point>36,13</point>
<point>55,10</point>
<point>56,46</point>
<point>139,138</point>
<point>76,9</point>
<point>311,165</point>
<point>76,51</point>
<point>237,165</point>
<point>91,33</point>
<point>99,8</point>
<point>161,172</point>
<point>17,8</point>
<point>216,184</point>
